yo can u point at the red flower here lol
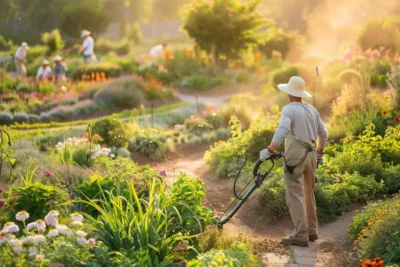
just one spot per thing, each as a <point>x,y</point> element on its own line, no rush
<point>396,119</point>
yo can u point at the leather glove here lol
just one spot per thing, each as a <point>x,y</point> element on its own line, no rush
<point>265,154</point>
<point>320,160</point>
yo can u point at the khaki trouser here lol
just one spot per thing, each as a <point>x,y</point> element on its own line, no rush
<point>300,187</point>
<point>20,66</point>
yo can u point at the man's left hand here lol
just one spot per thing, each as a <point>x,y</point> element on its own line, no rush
<point>265,154</point>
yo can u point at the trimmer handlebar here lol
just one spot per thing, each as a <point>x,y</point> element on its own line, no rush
<point>259,162</point>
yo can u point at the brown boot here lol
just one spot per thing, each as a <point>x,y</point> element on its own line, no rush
<point>291,241</point>
<point>313,237</point>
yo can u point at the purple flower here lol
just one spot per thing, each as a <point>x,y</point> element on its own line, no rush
<point>155,164</point>
<point>163,173</point>
<point>2,190</point>
<point>48,174</point>
<point>2,202</point>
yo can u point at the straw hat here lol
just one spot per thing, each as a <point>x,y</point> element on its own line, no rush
<point>45,62</point>
<point>295,87</point>
<point>85,33</point>
<point>57,58</point>
<point>25,45</point>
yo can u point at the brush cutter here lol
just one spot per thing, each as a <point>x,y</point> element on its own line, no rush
<point>258,178</point>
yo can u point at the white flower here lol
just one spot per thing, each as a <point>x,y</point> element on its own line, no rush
<point>22,215</point>
<point>40,225</point>
<point>51,220</point>
<point>53,213</point>
<point>11,228</point>
<point>92,242</point>
<point>29,239</point>
<point>52,233</point>
<point>81,233</point>
<point>13,242</point>
<point>77,223</point>
<point>38,239</point>
<point>31,226</point>
<point>112,156</point>
<point>82,241</point>
<point>76,216</point>
<point>18,249</point>
<point>39,258</point>
<point>33,252</point>
<point>63,230</point>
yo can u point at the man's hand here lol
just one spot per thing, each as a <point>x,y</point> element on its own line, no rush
<point>266,154</point>
<point>320,159</point>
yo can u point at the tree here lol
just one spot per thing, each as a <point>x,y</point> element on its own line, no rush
<point>168,10</point>
<point>53,41</point>
<point>87,14</point>
<point>224,27</point>
<point>8,10</point>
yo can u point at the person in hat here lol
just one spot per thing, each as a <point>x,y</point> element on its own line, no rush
<point>300,126</point>
<point>87,49</point>
<point>157,50</point>
<point>60,69</point>
<point>20,57</point>
<point>44,72</point>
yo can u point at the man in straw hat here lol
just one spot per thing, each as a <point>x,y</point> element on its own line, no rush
<point>87,47</point>
<point>20,57</point>
<point>60,69</point>
<point>44,71</point>
<point>300,126</point>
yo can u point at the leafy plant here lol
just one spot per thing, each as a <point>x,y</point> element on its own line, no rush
<point>53,41</point>
<point>112,131</point>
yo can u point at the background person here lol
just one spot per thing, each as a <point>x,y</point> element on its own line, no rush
<point>87,47</point>
<point>19,58</point>
<point>44,72</point>
<point>60,69</point>
<point>157,50</point>
<point>300,126</point>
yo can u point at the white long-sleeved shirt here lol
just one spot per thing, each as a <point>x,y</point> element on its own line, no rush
<point>305,124</point>
<point>21,53</point>
<point>43,73</point>
<point>88,43</point>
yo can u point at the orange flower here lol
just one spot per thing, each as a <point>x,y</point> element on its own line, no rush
<point>260,70</point>
<point>257,57</point>
<point>188,53</point>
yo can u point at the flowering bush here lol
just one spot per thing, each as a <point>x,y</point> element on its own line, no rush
<point>45,242</point>
<point>79,151</point>
<point>112,131</point>
<point>376,230</point>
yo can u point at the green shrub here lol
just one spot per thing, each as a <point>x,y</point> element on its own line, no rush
<point>243,76</point>
<point>289,44</point>
<point>391,179</point>
<point>236,256</point>
<point>282,75</point>
<point>105,46</point>
<point>191,192</point>
<point>20,118</point>
<point>33,118</point>
<point>121,93</point>
<point>108,68</point>
<point>7,83</point>
<point>199,82</point>
<point>38,199</point>
<point>5,118</point>
<point>5,45</point>
<point>127,64</point>
<point>73,64</point>
<point>198,126</point>
<point>381,32</point>
<point>216,121</point>
<point>53,41</point>
<point>272,195</point>
<point>112,130</point>
<point>155,147</point>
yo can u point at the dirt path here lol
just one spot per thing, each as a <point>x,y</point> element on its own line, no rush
<point>252,219</point>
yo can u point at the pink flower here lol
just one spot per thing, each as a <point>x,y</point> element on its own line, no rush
<point>2,190</point>
<point>2,202</point>
<point>163,173</point>
<point>155,164</point>
<point>48,174</point>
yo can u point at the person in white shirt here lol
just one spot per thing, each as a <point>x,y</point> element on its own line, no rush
<point>300,126</point>
<point>60,69</point>
<point>19,58</point>
<point>157,50</point>
<point>44,72</point>
<point>87,47</point>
